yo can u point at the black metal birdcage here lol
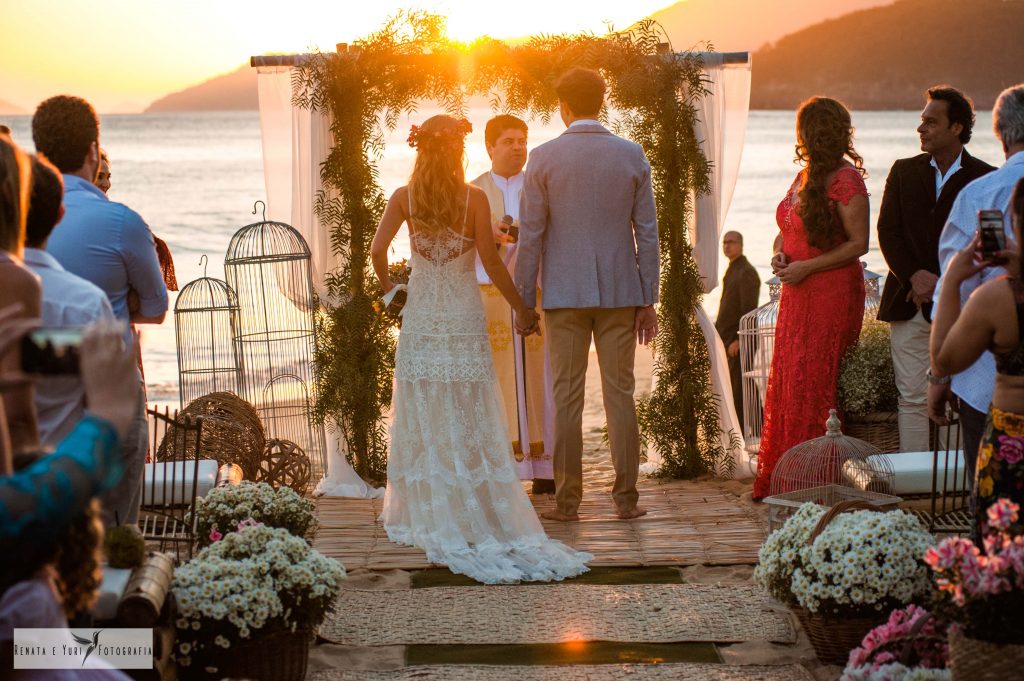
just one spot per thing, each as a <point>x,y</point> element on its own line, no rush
<point>205,316</point>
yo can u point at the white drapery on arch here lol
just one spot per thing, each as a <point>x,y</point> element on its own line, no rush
<point>721,129</point>
<point>295,143</point>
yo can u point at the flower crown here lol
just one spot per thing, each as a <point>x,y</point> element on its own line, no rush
<point>453,136</point>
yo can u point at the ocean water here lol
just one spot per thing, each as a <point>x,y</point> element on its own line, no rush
<point>195,177</point>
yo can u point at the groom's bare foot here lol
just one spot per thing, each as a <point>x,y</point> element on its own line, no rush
<point>634,512</point>
<point>560,517</point>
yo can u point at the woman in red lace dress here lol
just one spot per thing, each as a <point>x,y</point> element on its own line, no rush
<point>824,225</point>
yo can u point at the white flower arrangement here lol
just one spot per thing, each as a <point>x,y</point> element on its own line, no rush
<point>256,580</point>
<point>780,553</point>
<point>862,562</point>
<point>224,508</point>
<point>896,672</point>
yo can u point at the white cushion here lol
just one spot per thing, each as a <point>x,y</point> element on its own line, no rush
<point>913,471</point>
<point>178,489</point>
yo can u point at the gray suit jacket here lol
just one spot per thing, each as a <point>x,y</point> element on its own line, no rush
<point>587,221</point>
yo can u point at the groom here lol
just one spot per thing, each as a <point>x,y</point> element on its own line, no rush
<point>588,223</point>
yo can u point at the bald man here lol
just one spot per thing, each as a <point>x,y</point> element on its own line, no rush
<point>740,289</point>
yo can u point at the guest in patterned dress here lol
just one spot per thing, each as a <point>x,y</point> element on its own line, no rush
<point>824,231</point>
<point>992,320</point>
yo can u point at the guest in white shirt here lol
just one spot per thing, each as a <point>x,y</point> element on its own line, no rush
<point>68,301</point>
<point>974,386</point>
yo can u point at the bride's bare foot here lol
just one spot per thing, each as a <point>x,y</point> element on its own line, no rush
<point>634,512</point>
<point>560,517</point>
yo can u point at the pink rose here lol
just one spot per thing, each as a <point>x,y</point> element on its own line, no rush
<point>215,535</point>
<point>1011,449</point>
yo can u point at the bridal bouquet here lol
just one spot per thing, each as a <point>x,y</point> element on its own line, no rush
<point>225,508</point>
<point>257,581</point>
<point>984,590</point>
<point>399,273</point>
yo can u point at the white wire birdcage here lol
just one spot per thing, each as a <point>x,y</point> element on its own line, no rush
<point>830,469</point>
<point>757,346</point>
<point>267,264</point>
<point>205,314</point>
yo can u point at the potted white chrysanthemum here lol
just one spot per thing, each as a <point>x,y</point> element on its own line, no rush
<point>867,391</point>
<point>842,573</point>
<point>224,508</point>
<point>247,605</point>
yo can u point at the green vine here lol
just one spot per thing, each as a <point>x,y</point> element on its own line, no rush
<point>365,89</point>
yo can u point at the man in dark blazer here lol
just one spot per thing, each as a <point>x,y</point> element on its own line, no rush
<point>919,194</point>
<point>740,289</point>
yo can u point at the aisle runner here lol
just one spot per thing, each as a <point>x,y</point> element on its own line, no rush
<point>689,523</point>
<point>634,672</point>
<point>556,613</point>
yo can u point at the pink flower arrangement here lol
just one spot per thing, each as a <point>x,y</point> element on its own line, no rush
<point>884,644</point>
<point>984,590</point>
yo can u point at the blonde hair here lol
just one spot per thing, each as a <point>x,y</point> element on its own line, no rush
<point>15,184</point>
<point>437,186</point>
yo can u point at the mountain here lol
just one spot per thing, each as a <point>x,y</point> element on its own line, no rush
<point>235,91</point>
<point>8,109</point>
<point>746,25</point>
<point>885,57</point>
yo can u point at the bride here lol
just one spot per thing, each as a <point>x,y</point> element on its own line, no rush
<point>452,485</point>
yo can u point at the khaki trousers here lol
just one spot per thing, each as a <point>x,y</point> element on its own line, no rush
<point>909,342</point>
<point>569,333</point>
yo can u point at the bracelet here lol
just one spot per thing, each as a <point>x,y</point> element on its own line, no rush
<point>938,380</point>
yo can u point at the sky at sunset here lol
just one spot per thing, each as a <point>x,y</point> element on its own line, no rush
<point>123,54</point>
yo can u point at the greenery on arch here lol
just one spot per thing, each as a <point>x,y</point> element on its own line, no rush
<point>366,88</point>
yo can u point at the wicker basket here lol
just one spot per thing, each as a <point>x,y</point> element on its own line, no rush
<point>834,637</point>
<point>281,656</point>
<point>974,660</point>
<point>882,429</point>
<point>232,431</point>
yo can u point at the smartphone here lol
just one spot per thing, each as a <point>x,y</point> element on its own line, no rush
<point>993,237</point>
<point>51,351</point>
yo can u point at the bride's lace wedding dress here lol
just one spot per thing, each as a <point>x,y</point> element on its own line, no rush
<point>452,485</point>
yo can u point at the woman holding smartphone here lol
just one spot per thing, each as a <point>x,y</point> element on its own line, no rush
<point>993,320</point>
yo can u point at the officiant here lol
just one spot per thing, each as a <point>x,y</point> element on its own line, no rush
<point>520,363</point>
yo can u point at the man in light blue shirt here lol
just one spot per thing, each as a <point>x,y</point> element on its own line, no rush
<point>108,244</point>
<point>974,386</point>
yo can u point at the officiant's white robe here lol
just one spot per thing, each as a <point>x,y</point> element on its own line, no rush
<point>520,364</point>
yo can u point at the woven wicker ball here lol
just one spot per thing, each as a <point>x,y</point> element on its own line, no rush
<point>232,431</point>
<point>284,464</point>
<point>833,459</point>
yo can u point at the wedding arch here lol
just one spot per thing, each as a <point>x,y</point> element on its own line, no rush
<point>331,115</point>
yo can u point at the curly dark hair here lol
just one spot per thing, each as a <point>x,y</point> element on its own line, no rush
<point>959,108</point>
<point>824,134</point>
<point>583,90</point>
<point>63,129</point>
<point>75,554</point>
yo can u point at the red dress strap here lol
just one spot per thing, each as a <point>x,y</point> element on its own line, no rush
<point>847,184</point>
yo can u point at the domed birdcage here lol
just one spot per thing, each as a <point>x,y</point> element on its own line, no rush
<point>267,264</point>
<point>205,315</point>
<point>832,468</point>
<point>757,346</point>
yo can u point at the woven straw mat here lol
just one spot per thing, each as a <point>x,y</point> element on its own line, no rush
<point>608,672</point>
<point>653,613</point>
